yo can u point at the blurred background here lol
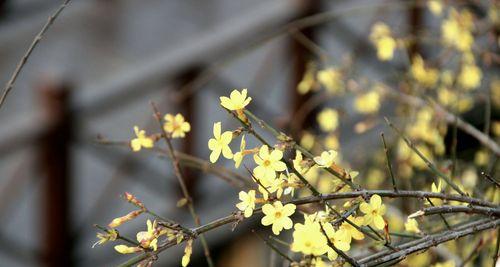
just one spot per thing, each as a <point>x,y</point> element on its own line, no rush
<point>96,71</point>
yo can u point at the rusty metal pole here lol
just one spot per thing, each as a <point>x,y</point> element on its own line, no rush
<point>54,164</point>
<point>415,23</point>
<point>187,106</point>
<point>300,58</point>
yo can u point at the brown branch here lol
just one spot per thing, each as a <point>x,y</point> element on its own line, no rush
<point>488,211</point>
<point>449,118</point>
<point>315,199</point>
<point>180,178</point>
<point>10,84</point>
<point>427,242</point>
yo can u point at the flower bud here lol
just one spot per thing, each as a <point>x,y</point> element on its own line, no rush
<point>121,220</point>
<point>123,249</point>
<point>132,199</point>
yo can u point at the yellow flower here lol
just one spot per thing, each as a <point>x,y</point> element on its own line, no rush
<point>328,119</point>
<point>307,140</point>
<point>176,125</point>
<point>495,92</point>
<point>299,163</point>
<point>309,239</point>
<point>247,204</point>
<point>449,98</point>
<point>341,239</point>
<point>331,79</point>
<point>123,249</point>
<point>427,77</point>
<point>269,163</point>
<point>367,103</point>
<point>381,37</point>
<point>326,159</point>
<point>456,30</point>
<point>220,143</point>
<point>236,101</point>
<point>351,230</point>
<point>470,76</point>
<point>110,235</point>
<point>437,189</point>
<point>332,142</point>
<point>277,215</point>
<point>385,48</point>
<point>495,127</point>
<point>435,6</point>
<point>238,156</point>
<point>373,212</point>
<point>187,253</point>
<point>481,158</point>
<point>141,140</point>
<point>276,185</point>
<point>149,238</point>
<point>411,226</point>
<point>307,83</point>
<point>449,263</point>
<point>318,262</point>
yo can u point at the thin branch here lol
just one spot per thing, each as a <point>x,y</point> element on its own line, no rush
<point>341,173</point>
<point>10,84</point>
<point>315,199</point>
<point>495,256</point>
<point>180,178</point>
<point>429,241</point>
<point>118,236</point>
<point>350,260</point>
<point>289,164</point>
<point>429,164</point>
<point>488,211</point>
<point>273,247</point>
<point>233,178</point>
<point>491,179</point>
<point>414,101</point>
<point>440,215</point>
<point>389,166</point>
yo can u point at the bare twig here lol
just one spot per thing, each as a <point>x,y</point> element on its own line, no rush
<point>351,261</point>
<point>10,84</point>
<point>429,164</point>
<point>440,215</point>
<point>427,242</point>
<point>273,247</point>
<point>180,178</point>
<point>388,159</point>
<point>491,179</point>
<point>315,199</point>
<point>488,211</point>
<point>450,118</point>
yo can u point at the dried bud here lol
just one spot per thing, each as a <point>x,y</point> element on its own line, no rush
<point>132,199</point>
<point>121,220</point>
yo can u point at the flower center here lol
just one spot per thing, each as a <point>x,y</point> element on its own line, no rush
<point>277,214</point>
<point>267,163</point>
<point>307,244</point>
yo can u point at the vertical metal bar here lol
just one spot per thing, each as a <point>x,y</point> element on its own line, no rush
<point>54,160</point>
<point>415,23</point>
<point>300,57</point>
<point>188,108</point>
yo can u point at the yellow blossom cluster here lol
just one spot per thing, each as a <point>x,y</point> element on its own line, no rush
<point>456,30</point>
<point>381,37</point>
